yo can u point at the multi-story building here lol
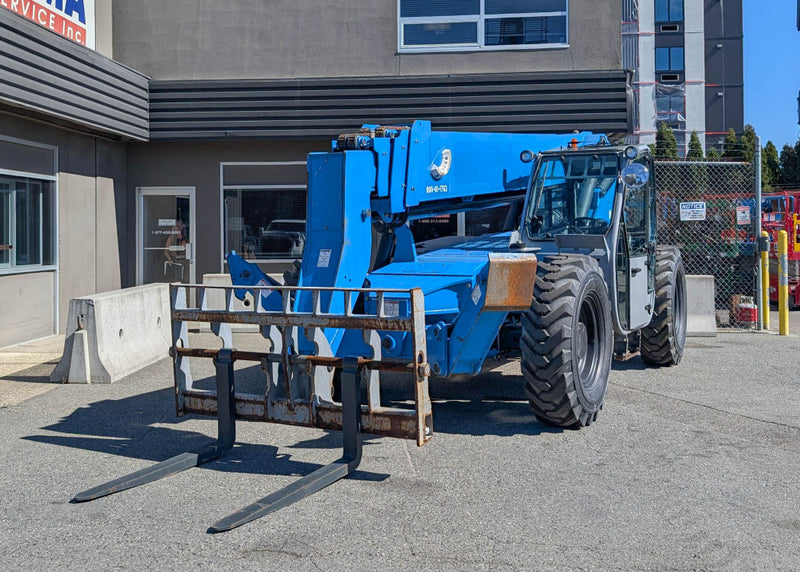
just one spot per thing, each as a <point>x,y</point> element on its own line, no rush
<point>688,57</point>
<point>140,141</point>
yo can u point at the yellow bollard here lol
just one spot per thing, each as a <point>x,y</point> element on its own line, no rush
<point>765,283</point>
<point>783,282</point>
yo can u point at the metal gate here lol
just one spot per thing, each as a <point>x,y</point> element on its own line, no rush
<point>709,210</point>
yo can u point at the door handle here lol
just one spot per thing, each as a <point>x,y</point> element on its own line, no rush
<point>635,271</point>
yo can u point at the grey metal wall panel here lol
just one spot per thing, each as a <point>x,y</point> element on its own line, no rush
<point>724,66</point>
<point>255,39</point>
<point>529,102</point>
<point>51,78</point>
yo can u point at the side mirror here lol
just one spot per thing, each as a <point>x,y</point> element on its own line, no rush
<point>635,175</point>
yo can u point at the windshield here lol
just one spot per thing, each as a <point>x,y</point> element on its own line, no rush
<point>572,194</point>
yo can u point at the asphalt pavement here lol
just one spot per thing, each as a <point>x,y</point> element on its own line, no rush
<point>694,467</point>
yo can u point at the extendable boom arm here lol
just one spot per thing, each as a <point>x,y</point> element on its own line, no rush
<point>419,172</point>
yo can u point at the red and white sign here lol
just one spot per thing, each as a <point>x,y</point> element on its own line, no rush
<point>73,19</point>
<point>743,215</point>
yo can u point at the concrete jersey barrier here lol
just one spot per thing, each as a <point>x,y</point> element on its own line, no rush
<point>113,334</point>
<point>701,317</point>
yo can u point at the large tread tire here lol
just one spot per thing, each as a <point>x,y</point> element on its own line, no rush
<point>567,341</point>
<point>664,338</point>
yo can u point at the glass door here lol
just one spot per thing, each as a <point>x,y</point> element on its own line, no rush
<point>166,233</point>
<point>5,223</point>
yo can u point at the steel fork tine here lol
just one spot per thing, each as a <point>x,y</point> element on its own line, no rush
<point>226,436</point>
<point>322,477</point>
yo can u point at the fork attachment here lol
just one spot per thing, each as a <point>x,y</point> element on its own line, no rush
<point>299,369</point>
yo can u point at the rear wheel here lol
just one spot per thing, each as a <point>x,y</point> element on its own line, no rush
<point>567,341</point>
<point>664,338</point>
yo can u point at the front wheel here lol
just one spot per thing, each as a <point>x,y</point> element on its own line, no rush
<point>567,341</point>
<point>664,338</point>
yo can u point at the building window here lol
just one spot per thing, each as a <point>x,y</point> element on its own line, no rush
<point>264,209</point>
<point>670,108</point>
<point>669,10</point>
<point>669,59</point>
<point>27,222</point>
<point>454,25</point>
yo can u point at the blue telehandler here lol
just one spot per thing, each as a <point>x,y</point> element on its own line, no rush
<point>577,280</point>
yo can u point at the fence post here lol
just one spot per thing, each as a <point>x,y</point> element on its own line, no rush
<point>764,271</point>
<point>763,309</point>
<point>783,282</point>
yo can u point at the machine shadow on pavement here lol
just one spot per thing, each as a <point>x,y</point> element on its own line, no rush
<point>136,426</point>
<point>488,404</point>
<point>126,427</point>
<point>633,364</point>
<point>491,403</point>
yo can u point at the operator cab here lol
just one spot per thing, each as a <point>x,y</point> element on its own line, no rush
<point>573,194</point>
<point>598,200</point>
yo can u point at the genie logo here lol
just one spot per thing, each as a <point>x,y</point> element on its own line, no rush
<point>73,19</point>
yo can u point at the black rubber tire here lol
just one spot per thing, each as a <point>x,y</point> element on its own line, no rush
<point>664,338</point>
<point>567,341</point>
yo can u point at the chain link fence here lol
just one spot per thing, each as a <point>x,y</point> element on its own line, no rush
<point>709,211</point>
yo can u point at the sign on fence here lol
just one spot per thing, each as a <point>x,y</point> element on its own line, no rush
<point>693,211</point>
<point>743,215</point>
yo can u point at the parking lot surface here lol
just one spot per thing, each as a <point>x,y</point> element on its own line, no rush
<point>694,467</point>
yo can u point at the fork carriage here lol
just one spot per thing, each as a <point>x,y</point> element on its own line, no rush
<point>299,366</point>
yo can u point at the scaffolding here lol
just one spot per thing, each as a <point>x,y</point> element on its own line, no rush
<point>668,101</point>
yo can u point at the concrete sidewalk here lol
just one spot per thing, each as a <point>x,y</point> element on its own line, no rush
<point>25,369</point>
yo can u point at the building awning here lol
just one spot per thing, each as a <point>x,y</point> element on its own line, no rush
<point>50,78</point>
<point>193,110</point>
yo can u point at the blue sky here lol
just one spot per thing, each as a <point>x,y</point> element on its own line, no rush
<point>771,69</point>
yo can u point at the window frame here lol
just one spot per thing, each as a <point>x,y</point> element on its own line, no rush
<point>479,19</point>
<point>259,187</point>
<point>670,18</point>
<point>11,267</point>
<point>670,67</point>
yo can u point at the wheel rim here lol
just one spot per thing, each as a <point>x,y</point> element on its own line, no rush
<point>581,345</point>
<point>588,344</point>
<point>679,310</point>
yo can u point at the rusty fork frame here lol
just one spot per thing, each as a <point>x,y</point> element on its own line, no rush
<point>299,384</point>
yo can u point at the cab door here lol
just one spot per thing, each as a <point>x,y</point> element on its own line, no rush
<point>640,230</point>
